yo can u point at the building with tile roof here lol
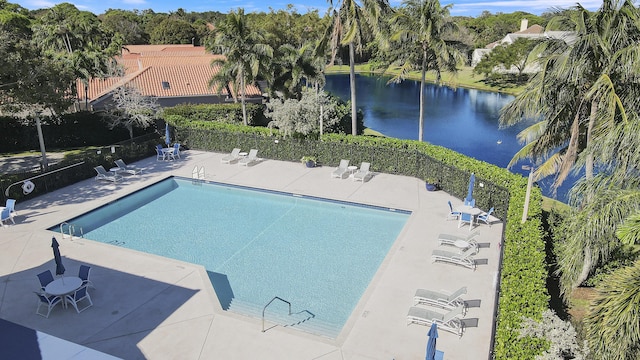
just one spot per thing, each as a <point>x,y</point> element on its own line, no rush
<point>530,32</point>
<point>173,74</point>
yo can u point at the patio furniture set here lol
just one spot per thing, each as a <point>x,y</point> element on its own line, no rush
<point>65,290</point>
<point>352,171</point>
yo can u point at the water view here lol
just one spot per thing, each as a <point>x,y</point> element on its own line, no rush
<point>464,120</point>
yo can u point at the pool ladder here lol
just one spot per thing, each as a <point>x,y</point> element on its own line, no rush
<point>269,303</point>
<point>71,228</point>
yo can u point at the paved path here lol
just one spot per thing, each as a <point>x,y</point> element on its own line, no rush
<point>147,306</point>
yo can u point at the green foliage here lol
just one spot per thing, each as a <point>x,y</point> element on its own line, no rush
<point>503,58</point>
<point>612,326</point>
<point>489,27</point>
<point>225,113</point>
<point>173,31</point>
<point>302,117</point>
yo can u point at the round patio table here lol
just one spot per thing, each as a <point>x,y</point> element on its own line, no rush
<point>63,286</point>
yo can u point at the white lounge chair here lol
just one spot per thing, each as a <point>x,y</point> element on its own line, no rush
<point>104,175</point>
<point>448,322</point>
<point>462,244</point>
<point>448,237</point>
<point>129,169</point>
<point>362,173</point>
<point>250,159</point>
<point>341,170</point>
<point>441,300</point>
<point>232,157</point>
<point>464,259</point>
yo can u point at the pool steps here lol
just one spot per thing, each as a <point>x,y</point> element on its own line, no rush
<point>299,319</point>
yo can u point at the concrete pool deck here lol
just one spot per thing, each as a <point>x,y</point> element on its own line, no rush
<point>150,307</point>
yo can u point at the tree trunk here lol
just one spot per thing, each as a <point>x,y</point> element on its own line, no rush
<point>244,106</point>
<point>588,166</point>
<point>586,268</point>
<point>422,79</point>
<point>45,163</point>
<point>352,82</point>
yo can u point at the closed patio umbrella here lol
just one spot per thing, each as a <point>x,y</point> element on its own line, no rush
<point>56,256</point>
<point>431,343</point>
<point>167,134</point>
<point>469,199</point>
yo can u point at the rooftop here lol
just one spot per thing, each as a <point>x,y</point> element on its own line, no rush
<point>147,306</point>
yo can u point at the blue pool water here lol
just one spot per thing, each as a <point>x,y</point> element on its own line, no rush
<point>255,245</point>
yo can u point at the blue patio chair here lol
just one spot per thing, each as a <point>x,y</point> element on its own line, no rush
<point>465,218</point>
<point>159,152</point>
<point>485,217</point>
<point>83,274</point>
<point>452,214</point>
<point>77,297</point>
<point>49,301</point>
<point>45,278</point>
<point>11,205</point>
<point>176,152</point>
<point>5,215</point>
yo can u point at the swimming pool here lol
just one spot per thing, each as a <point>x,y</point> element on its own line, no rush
<point>319,255</point>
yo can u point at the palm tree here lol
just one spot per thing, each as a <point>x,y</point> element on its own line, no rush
<point>419,28</point>
<point>245,56</point>
<point>578,93</point>
<point>613,323</point>
<point>350,20</point>
<point>292,68</point>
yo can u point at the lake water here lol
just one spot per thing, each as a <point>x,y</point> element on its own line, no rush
<point>464,120</point>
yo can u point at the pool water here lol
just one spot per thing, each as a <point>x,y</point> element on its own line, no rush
<point>318,255</point>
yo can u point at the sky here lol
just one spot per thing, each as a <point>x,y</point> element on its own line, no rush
<point>460,7</point>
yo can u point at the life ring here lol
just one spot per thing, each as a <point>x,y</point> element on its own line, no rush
<point>27,187</point>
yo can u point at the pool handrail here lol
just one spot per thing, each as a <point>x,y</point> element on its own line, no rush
<point>269,303</point>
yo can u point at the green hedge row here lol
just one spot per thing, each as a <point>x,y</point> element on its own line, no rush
<point>523,274</point>
<point>224,113</point>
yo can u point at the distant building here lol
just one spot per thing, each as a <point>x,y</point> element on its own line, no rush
<point>173,74</point>
<point>531,32</point>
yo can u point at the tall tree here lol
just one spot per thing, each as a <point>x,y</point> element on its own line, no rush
<point>131,108</point>
<point>419,30</point>
<point>292,68</point>
<point>351,19</point>
<point>245,55</point>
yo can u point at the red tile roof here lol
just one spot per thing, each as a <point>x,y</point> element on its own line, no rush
<point>186,68</point>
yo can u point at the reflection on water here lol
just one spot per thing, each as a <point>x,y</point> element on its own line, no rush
<point>464,120</point>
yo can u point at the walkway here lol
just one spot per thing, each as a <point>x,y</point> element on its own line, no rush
<point>150,307</point>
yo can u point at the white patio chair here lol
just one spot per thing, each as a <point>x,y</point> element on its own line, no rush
<point>441,300</point>
<point>450,321</point>
<point>232,157</point>
<point>341,170</point>
<point>464,259</point>
<point>362,173</point>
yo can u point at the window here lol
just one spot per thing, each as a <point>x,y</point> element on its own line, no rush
<point>165,85</point>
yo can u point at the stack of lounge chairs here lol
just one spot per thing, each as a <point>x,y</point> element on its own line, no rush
<point>450,320</point>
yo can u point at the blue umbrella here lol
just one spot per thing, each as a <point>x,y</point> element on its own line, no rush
<point>56,256</point>
<point>469,199</point>
<point>431,343</point>
<point>167,134</point>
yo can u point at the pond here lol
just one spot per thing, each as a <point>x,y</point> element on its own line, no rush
<point>464,120</point>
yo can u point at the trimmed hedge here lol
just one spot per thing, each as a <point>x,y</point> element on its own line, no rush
<point>522,289</point>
